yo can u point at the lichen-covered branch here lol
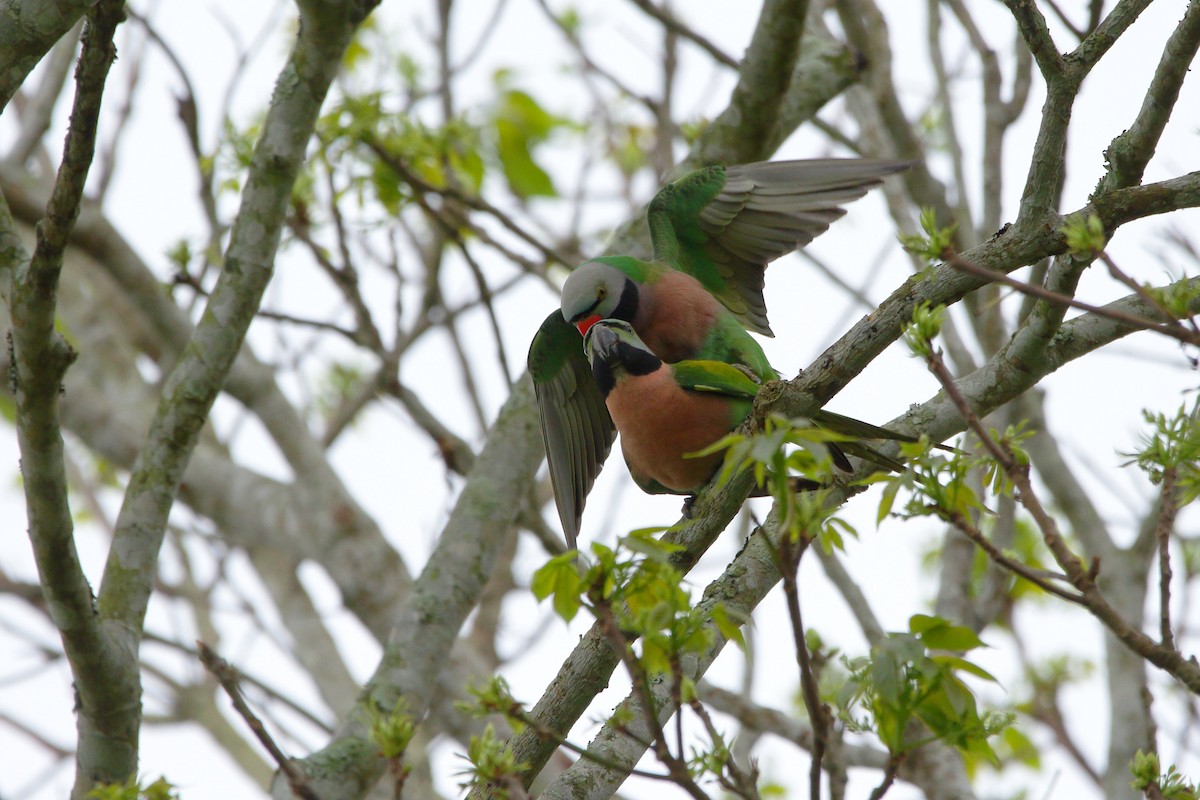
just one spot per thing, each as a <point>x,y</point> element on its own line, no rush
<point>743,131</point>
<point>107,727</point>
<point>28,32</point>
<point>197,379</point>
<point>447,590</point>
<point>1132,149</point>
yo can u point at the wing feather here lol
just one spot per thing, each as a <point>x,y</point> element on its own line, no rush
<point>723,226</point>
<point>576,427</point>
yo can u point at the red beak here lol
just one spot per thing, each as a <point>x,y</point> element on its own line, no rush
<point>586,323</point>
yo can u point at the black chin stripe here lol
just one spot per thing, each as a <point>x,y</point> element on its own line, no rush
<point>587,312</point>
<point>627,306</point>
<point>603,375</point>
<point>628,360</point>
<point>638,361</point>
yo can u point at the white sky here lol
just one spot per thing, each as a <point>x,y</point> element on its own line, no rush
<point>1096,413</point>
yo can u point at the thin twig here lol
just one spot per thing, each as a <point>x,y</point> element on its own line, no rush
<point>677,767</point>
<point>274,694</point>
<point>1174,329</point>
<point>740,782</point>
<point>788,556</point>
<point>227,676</point>
<point>1141,290</point>
<point>963,525</point>
<point>471,201</point>
<point>1082,577</point>
<point>889,776</point>
<point>1065,20</point>
<point>672,23</point>
<point>516,711</point>
<point>1044,707</point>
<point>1166,523</point>
<point>590,66</point>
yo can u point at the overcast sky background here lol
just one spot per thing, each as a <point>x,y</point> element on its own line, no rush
<point>394,472</point>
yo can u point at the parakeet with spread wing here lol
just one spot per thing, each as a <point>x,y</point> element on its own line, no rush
<point>713,232</point>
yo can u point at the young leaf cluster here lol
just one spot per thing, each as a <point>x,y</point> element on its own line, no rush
<point>926,325</point>
<point>391,731</point>
<point>644,592</point>
<point>936,242</point>
<point>785,452</point>
<point>1085,235</point>
<point>1170,785</point>
<point>1173,445</point>
<point>132,789</point>
<point>915,677</point>
<point>935,485</point>
<point>493,767</point>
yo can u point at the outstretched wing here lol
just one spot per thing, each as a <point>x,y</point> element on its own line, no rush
<point>723,225</point>
<point>576,427</point>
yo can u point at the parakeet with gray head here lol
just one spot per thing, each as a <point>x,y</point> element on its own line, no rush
<point>713,232</point>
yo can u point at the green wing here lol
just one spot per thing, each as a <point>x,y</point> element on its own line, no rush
<point>576,427</point>
<point>736,382</point>
<point>715,376</point>
<point>848,426</point>
<point>723,225</point>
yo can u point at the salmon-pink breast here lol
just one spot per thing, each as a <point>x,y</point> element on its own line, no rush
<point>659,422</point>
<point>675,315</point>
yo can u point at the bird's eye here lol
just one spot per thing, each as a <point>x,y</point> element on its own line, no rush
<point>602,292</point>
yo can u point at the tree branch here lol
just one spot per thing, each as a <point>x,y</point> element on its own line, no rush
<point>28,33</point>
<point>1131,150</point>
<point>197,378</point>
<point>743,131</point>
<point>448,588</point>
<point>107,726</point>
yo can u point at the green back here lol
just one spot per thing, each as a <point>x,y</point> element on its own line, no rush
<point>637,270</point>
<point>731,343</point>
<point>674,219</point>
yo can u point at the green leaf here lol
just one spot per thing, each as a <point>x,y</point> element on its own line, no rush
<point>521,125</point>
<point>1021,747</point>
<point>886,500</point>
<point>962,665</point>
<point>642,541</point>
<point>938,634</point>
<point>560,577</point>
<point>732,632</point>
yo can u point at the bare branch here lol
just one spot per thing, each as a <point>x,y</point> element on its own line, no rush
<point>1169,506</point>
<point>35,115</point>
<point>744,130</point>
<point>672,23</point>
<point>788,556</point>
<point>1172,329</point>
<point>228,677</point>
<point>107,726</point>
<point>1132,149</point>
<point>1034,30</point>
<point>30,30</point>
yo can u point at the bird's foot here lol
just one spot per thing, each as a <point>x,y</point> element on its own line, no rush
<point>749,373</point>
<point>688,506</point>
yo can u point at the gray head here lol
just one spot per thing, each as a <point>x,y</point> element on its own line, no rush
<point>595,291</point>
